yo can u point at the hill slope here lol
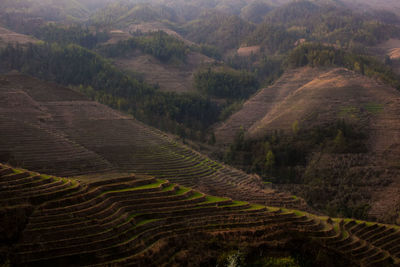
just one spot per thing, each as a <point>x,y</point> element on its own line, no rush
<point>61,127</point>
<point>310,98</point>
<point>10,37</point>
<point>170,77</point>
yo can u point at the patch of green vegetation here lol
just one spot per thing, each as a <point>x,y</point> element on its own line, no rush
<point>348,111</point>
<point>374,108</point>
<point>195,195</point>
<point>226,83</point>
<point>16,171</point>
<point>288,158</point>
<point>168,188</point>
<point>75,34</point>
<point>159,44</point>
<point>213,199</point>
<point>255,207</point>
<point>182,190</point>
<point>146,222</point>
<point>236,203</point>
<point>280,262</point>
<point>147,186</point>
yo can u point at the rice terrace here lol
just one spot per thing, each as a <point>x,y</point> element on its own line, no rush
<point>199,133</point>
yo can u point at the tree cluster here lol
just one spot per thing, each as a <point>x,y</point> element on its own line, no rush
<point>318,55</point>
<point>159,44</point>
<point>226,83</point>
<point>71,35</point>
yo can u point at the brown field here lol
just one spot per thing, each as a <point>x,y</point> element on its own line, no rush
<point>7,36</point>
<point>170,77</point>
<point>390,48</point>
<point>248,51</point>
<point>117,36</point>
<point>156,26</point>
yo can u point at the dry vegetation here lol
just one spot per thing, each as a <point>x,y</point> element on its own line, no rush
<point>246,51</point>
<point>9,37</point>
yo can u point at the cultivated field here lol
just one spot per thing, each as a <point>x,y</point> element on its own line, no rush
<point>57,130</point>
<point>142,221</point>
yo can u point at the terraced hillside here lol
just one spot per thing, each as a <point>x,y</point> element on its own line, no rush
<point>143,221</point>
<point>49,128</point>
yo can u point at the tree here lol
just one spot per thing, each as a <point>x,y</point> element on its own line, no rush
<point>339,142</point>
<point>295,127</point>
<point>270,160</point>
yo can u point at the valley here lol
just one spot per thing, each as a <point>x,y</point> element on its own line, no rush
<point>199,133</point>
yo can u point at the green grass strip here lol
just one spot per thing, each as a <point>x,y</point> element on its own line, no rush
<point>236,203</point>
<point>182,190</point>
<point>147,186</point>
<point>212,199</point>
<point>256,207</point>
<point>195,195</point>
<point>168,188</point>
<point>146,222</point>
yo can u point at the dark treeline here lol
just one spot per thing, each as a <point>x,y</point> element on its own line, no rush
<point>265,68</point>
<point>71,35</point>
<point>226,83</point>
<point>317,55</point>
<point>159,44</point>
<point>284,158</point>
<point>326,23</point>
<point>187,115</point>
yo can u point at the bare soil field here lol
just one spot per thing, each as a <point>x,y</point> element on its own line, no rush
<point>170,77</point>
<point>10,37</point>
<point>117,36</point>
<point>156,26</point>
<point>248,51</point>
<point>390,48</point>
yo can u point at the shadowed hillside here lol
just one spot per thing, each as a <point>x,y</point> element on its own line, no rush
<point>140,220</point>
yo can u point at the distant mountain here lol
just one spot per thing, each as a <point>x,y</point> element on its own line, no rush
<point>218,29</point>
<point>124,13</point>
